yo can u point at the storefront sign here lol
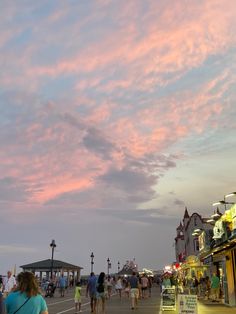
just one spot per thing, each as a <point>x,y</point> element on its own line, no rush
<point>192,260</point>
<point>233,215</point>
<point>168,301</point>
<point>218,229</point>
<point>205,239</point>
<point>187,304</point>
<point>202,241</point>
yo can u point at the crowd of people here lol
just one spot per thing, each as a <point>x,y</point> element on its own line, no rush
<point>29,294</point>
<point>205,287</point>
<point>100,289</point>
<point>24,294</point>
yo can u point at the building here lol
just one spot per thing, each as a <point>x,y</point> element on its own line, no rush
<point>43,268</point>
<point>219,253</point>
<point>186,243</point>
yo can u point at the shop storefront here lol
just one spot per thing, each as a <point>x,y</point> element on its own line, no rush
<point>220,254</point>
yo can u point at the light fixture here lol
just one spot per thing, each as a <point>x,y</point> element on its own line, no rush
<point>218,203</point>
<point>230,194</point>
<point>211,220</point>
<point>215,215</point>
<point>222,203</point>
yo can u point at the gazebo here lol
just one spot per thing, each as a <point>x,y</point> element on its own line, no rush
<point>59,267</point>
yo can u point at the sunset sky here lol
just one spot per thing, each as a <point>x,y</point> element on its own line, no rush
<point>115,115</point>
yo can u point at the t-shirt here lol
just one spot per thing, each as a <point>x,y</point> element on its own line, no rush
<point>77,293</point>
<point>215,282</point>
<point>133,282</point>
<point>92,284</point>
<point>35,305</point>
<point>62,282</point>
<point>9,284</point>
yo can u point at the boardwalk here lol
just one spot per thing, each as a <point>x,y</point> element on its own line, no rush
<point>151,305</point>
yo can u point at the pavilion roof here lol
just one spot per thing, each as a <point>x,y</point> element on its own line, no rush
<point>46,264</point>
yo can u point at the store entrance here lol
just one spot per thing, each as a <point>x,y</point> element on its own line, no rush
<point>221,273</point>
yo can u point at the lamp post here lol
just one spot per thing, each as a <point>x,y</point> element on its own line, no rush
<point>108,265</point>
<point>52,245</point>
<point>92,262</point>
<point>118,266</point>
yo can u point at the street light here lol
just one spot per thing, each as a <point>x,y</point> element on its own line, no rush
<point>118,266</point>
<point>52,245</point>
<point>223,202</point>
<point>230,194</point>
<point>92,262</point>
<point>108,265</point>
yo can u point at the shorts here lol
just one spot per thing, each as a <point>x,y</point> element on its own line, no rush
<point>77,300</point>
<point>134,293</point>
<point>101,295</point>
<point>144,288</point>
<point>93,295</point>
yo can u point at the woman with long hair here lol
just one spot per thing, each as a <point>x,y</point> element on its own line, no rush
<point>101,294</point>
<point>26,298</point>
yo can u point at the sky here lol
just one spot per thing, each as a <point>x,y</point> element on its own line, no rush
<point>115,115</point>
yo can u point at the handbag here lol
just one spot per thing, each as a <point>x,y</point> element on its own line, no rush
<point>21,305</point>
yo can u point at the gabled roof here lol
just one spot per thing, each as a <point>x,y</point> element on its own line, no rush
<point>180,227</point>
<point>46,264</point>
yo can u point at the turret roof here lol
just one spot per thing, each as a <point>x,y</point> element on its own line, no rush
<point>186,215</point>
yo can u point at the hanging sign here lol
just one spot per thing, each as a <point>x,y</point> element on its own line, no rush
<point>168,300</point>
<point>187,304</point>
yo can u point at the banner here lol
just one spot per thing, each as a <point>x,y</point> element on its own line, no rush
<point>187,304</point>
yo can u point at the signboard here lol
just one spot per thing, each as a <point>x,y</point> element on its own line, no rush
<point>205,239</point>
<point>168,301</point>
<point>187,304</point>
<point>233,215</point>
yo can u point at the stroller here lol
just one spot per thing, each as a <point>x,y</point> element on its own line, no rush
<point>50,290</point>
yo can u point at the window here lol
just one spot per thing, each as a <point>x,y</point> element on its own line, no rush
<point>195,221</point>
<point>196,245</point>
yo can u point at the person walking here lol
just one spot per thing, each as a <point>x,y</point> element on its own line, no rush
<point>91,290</point>
<point>119,286</point>
<point>144,285</point>
<point>62,285</point>
<point>150,281</point>
<point>78,297</point>
<point>215,287</point>
<point>26,298</point>
<point>134,290</point>
<point>109,286</point>
<point>101,295</point>
<point>9,284</point>
<point>1,295</point>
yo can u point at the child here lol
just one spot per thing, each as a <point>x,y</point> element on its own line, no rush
<point>77,297</point>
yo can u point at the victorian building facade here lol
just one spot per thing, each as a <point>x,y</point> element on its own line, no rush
<point>186,243</point>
